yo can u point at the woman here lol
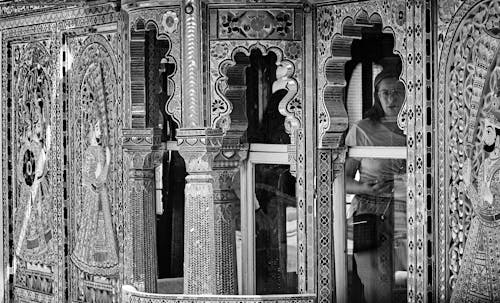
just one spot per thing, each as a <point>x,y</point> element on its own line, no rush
<point>380,189</point>
<point>96,249</point>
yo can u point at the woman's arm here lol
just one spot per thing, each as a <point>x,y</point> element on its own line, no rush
<point>363,188</point>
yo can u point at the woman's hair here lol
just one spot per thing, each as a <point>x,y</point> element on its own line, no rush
<point>376,112</point>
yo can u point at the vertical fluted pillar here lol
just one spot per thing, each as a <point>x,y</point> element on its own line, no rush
<point>198,147</point>
<point>143,152</point>
<point>225,167</point>
<point>192,65</point>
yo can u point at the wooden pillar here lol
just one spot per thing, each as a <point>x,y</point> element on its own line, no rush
<point>198,147</point>
<point>143,151</point>
<point>225,167</point>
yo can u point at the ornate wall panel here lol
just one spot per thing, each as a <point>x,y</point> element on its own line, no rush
<point>234,31</point>
<point>336,29</point>
<point>37,202</point>
<point>166,21</point>
<point>467,93</point>
<point>33,205</point>
<point>337,26</point>
<point>289,77</point>
<point>96,167</point>
<point>446,10</point>
<point>274,24</point>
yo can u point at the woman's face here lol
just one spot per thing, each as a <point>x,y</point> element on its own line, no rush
<point>391,93</point>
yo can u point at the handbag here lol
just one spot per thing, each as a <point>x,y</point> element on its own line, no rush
<point>367,234</point>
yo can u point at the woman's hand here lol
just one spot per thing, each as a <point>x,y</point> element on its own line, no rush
<point>376,188</point>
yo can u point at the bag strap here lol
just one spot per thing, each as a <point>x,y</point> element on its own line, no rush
<point>382,216</point>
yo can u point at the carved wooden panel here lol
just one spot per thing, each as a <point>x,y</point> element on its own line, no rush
<point>166,21</point>
<point>467,85</point>
<point>289,74</point>
<point>274,24</point>
<point>95,169</point>
<point>338,24</point>
<point>33,204</point>
<point>445,12</point>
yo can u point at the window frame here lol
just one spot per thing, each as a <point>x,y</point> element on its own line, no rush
<point>340,230</point>
<point>258,154</point>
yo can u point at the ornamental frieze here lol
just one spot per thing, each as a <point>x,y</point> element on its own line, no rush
<point>256,24</point>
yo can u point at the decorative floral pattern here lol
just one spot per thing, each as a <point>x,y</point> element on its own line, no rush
<point>256,24</point>
<point>170,21</point>
<point>219,50</point>
<point>293,50</point>
<point>326,23</point>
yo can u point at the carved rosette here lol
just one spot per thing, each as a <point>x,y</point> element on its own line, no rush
<point>166,21</point>
<point>332,20</point>
<point>468,65</point>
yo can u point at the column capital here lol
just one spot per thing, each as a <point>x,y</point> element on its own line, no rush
<point>198,147</point>
<point>144,146</point>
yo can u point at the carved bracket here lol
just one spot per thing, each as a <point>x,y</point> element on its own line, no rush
<point>198,148</point>
<point>143,146</point>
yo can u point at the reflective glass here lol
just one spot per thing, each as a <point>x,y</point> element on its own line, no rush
<point>275,229</point>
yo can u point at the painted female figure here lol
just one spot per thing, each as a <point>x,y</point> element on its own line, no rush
<point>95,251</point>
<point>35,234</point>
<point>478,277</point>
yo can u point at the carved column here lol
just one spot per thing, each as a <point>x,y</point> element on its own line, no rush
<point>198,148</point>
<point>339,219</point>
<point>225,167</point>
<point>331,218</point>
<point>144,152</point>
